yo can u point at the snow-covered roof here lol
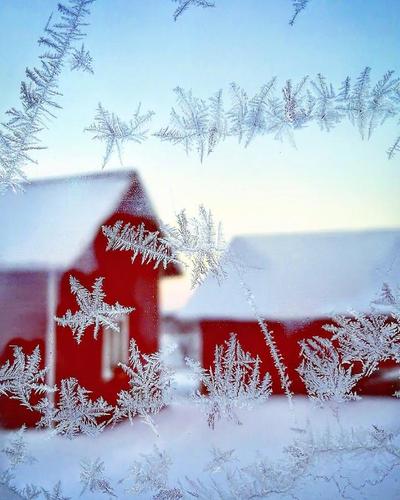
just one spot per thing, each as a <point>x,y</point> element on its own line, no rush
<point>53,222</point>
<point>300,276</point>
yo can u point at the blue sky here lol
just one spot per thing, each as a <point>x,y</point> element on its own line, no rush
<point>329,181</point>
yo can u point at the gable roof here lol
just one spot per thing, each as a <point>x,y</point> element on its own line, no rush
<point>300,276</point>
<point>52,224</point>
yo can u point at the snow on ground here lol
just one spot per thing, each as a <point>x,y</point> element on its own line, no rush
<point>184,434</point>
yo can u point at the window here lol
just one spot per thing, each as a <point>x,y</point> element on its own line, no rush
<point>115,348</point>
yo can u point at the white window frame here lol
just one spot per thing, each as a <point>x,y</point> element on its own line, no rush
<point>115,348</point>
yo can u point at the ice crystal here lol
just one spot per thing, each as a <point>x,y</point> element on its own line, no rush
<point>190,125</point>
<point>195,242</point>
<point>31,491</point>
<point>92,478</point>
<point>55,494</point>
<point>233,382</point>
<point>394,149</point>
<point>82,60</point>
<point>323,102</point>
<point>111,129</point>
<point>150,473</point>
<point>74,412</point>
<point>19,135</point>
<point>219,460</point>
<point>326,377</point>
<point>199,241</point>
<point>304,463</point>
<point>92,310</point>
<point>169,494</point>
<point>183,5</point>
<point>366,339</point>
<point>147,244</point>
<point>390,297</point>
<point>268,337</point>
<point>298,6</point>
<point>18,380</point>
<point>149,381</point>
<point>237,114</point>
<point>17,450</point>
<point>201,124</point>
<point>256,119</point>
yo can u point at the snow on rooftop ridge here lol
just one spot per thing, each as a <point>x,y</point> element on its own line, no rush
<point>54,221</point>
<point>295,276</point>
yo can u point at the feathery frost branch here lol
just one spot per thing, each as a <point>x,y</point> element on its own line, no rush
<point>92,478</point>
<point>149,381</point>
<point>55,494</point>
<point>18,380</point>
<point>109,128</point>
<point>325,376</point>
<point>183,5</point>
<point>277,357</point>
<point>199,241</point>
<point>74,413</point>
<point>39,93</point>
<point>194,241</point>
<point>298,6</point>
<point>92,310</point>
<point>233,382</point>
<point>200,125</point>
<point>17,450</point>
<point>150,473</point>
<point>303,464</point>
<point>81,60</point>
<point>366,339</point>
<point>331,369</point>
<point>148,244</point>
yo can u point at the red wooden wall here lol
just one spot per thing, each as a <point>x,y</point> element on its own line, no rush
<point>287,337</point>
<point>23,312</point>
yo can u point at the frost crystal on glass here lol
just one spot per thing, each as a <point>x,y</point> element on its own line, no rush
<point>22,377</point>
<point>200,242</point>
<point>140,241</point>
<point>74,413</point>
<point>55,494</point>
<point>194,242</point>
<point>149,381</point>
<point>298,6</point>
<point>109,128</point>
<point>92,478</point>
<point>17,450</point>
<point>19,135</point>
<point>201,124</point>
<point>183,5</point>
<point>368,340</point>
<point>150,473</point>
<point>219,460</point>
<point>82,60</point>
<point>92,310</point>
<point>326,376</point>
<point>233,382</point>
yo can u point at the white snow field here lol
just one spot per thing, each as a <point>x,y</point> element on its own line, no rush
<point>367,471</point>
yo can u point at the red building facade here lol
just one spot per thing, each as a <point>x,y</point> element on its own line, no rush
<point>299,282</point>
<point>58,222</point>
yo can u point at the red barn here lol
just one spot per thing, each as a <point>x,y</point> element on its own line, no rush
<point>299,282</point>
<point>52,231</point>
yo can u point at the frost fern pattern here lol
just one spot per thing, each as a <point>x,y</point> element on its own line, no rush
<point>19,135</point>
<point>233,382</point>
<point>200,125</point>
<point>93,311</point>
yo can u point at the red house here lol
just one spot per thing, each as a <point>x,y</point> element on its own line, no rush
<point>299,282</point>
<point>52,231</point>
